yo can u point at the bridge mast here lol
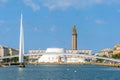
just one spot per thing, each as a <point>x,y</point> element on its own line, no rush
<point>21,44</point>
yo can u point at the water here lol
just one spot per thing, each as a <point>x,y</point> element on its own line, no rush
<point>60,72</point>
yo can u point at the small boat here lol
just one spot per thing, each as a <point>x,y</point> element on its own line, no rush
<point>21,65</point>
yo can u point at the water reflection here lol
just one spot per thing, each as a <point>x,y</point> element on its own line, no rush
<point>60,72</point>
<point>112,69</point>
<point>20,74</point>
<point>20,69</point>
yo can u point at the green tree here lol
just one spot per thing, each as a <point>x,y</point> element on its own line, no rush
<point>14,59</point>
<point>7,60</point>
<point>116,56</point>
<point>100,60</point>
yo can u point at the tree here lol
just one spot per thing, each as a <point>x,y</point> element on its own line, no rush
<point>116,56</point>
<point>104,56</point>
<point>101,60</point>
<point>6,60</point>
<point>14,59</point>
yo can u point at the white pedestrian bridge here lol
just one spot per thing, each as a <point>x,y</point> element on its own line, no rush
<point>60,54</point>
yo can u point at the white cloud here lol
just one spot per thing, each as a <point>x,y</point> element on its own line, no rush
<point>64,4</point>
<point>3,1</point>
<point>88,18</point>
<point>31,4</point>
<point>98,21</point>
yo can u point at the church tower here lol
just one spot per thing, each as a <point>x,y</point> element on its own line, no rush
<point>74,38</point>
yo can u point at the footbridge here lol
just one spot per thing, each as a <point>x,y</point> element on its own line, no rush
<point>60,54</point>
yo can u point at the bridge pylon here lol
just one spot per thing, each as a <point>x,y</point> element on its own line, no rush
<point>21,44</point>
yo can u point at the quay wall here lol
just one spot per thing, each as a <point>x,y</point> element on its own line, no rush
<point>59,63</point>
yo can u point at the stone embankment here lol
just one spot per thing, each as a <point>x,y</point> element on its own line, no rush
<point>60,63</point>
<point>8,64</point>
<point>77,63</point>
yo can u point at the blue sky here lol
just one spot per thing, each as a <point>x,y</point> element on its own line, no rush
<point>48,23</point>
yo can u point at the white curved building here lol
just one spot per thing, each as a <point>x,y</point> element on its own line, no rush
<point>53,55</point>
<point>55,50</point>
<point>73,59</point>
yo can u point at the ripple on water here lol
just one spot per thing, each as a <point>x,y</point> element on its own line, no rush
<point>112,69</point>
<point>60,72</point>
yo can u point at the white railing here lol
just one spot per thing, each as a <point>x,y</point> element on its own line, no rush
<point>70,54</point>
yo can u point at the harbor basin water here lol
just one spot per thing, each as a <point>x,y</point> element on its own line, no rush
<point>60,72</point>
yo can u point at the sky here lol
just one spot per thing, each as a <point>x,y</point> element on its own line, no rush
<point>49,23</point>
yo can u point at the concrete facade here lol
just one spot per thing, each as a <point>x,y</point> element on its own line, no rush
<point>89,52</point>
<point>74,38</point>
<point>108,52</point>
<point>36,57</point>
<point>116,49</point>
<point>73,50</point>
<point>4,51</point>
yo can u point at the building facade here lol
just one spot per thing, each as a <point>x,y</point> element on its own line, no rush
<point>35,57</point>
<point>116,49</point>
<point>73,50</point>
<point>107,52</point>
<point>6,51</point>
<point>51,55</point>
